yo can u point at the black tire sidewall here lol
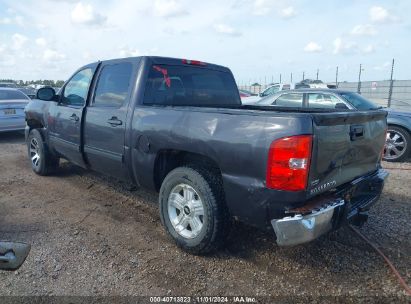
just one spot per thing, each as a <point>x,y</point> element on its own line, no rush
<point>42,168</point>
<point>407,136</point>
<point>197,181</point>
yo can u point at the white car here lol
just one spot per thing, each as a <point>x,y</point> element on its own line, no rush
<point>270,90</point>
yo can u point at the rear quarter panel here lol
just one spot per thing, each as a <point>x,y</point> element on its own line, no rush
<point>236,140</point>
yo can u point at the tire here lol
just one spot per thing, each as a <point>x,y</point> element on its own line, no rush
<point>214,220</point>
<point>41,160</point>
<point>398,143</point>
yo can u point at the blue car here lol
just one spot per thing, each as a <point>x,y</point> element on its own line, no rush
<point>12,104</point>
<point>398,144</point>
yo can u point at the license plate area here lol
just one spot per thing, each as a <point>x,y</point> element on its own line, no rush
<point>9,111</point>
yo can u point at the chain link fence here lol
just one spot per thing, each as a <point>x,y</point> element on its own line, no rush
<point>386,93</point>
<point>377,91</point>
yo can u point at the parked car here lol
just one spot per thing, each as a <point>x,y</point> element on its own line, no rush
<point>398,141</point>
<point>247,93</point>
<point>12,103</point>
<point>8,85</point>
<point>314,84</point>
<point>29,91</point>
<point>177,126</point>
<point>270,90</point>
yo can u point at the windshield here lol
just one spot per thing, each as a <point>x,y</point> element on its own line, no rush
<point>358,102</point>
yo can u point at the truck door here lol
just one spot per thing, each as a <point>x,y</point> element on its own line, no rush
<point>105,121</point>
<point>66,116</point>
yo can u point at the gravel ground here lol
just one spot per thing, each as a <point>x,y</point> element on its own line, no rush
<point>91,236</point>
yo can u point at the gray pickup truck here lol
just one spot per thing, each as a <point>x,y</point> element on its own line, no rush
<point>178,127</point>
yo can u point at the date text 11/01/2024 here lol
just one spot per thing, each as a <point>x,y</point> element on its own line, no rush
<point>203,299</point>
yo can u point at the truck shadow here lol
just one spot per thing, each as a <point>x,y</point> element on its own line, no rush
<point>14,137</point>
<point>340,253</point>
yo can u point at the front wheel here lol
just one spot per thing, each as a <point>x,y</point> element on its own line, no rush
<point>192,209</point>
<point>397,145</point>
<point>42,161</point>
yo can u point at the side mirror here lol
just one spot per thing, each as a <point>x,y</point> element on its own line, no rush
<point>12,255</point>
<point>261,95</point>
<point>47,94</point>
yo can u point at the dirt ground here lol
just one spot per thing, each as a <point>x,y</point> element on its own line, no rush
<point>91,236</point>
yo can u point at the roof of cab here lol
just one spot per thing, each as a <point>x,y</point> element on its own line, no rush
<point>175,61</point>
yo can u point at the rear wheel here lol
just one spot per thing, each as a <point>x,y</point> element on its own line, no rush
<point>42,161</point>
<point>397,145</point>
<point>192,209</point>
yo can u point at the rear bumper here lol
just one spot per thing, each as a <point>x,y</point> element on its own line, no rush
<point>350,203</point>
<point>12,124</point>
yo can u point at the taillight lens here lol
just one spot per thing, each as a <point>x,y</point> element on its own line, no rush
<point>289,163</point>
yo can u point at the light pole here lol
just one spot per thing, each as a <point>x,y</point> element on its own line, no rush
<point>336,77</point>
<point>359,80</point>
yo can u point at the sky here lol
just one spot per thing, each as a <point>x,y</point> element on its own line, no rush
<point>257,39</point>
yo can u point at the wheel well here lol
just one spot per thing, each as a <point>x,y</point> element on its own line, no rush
<point>400,126</point>
<point>34,124</point>
<point>168,160</point>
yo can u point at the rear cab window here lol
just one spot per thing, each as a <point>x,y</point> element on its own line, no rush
<point>190,86</point>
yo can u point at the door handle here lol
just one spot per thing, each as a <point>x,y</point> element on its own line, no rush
<point>74,117</point>
<point>114,121</point>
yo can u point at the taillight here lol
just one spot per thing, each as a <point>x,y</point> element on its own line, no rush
<point>289,163</point>
<point>193,62</point>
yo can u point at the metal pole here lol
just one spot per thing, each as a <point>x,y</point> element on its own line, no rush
<point>359,80</point>
<point>391,84</point>
<point>303,75</point>
<point>280,78</point>
<point>291,78</point>
<point>318,70</point>
<point>336,77</point>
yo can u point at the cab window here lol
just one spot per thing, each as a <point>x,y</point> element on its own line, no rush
<point>113,84</point>
<point>75,92</point>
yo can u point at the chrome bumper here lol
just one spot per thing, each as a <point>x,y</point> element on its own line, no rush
<point>298,229</point>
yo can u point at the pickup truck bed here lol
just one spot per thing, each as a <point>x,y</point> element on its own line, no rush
<point>211,154</point>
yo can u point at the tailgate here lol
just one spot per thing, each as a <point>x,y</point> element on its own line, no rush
<point>345,146</point>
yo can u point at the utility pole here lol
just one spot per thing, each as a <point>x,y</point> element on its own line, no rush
<point>318,70</point>
<point>336,77</point>
<point>280,77</point>
<point>359,80</point>
<point>291,78</point>
<point>391,84</point>
<point>303,75</point>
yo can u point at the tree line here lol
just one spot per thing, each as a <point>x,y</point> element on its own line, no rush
<point>22,83</point>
